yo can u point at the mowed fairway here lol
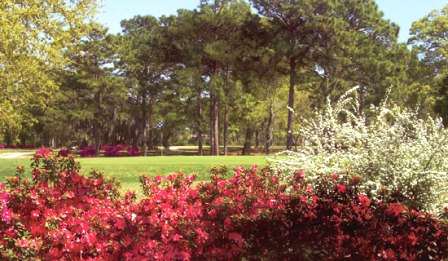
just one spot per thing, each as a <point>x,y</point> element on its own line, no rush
<point>128,170</point>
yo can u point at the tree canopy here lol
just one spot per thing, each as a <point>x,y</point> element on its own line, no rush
<point>34,35</point>
<point>228,73</point>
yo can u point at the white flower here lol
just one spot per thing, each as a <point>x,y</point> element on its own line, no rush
<point>394,148</point>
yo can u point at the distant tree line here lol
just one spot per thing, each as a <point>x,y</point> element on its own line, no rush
<point>228,72</point>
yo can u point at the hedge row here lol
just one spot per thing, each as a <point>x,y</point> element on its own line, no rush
<point>59,214</point>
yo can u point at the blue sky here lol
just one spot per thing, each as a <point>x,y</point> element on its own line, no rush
<point>402,12</point>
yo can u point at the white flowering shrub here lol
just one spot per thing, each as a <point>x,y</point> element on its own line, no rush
<point>393,149</point>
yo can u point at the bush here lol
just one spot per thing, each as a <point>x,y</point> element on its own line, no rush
<point>122,147</point>
<point>133,152</point>
<point>58,214</point>
<point>112,151</point>
<point>64,153</point>
<point>115,150</point>
<point>88,152</point>
<point>393,149</point>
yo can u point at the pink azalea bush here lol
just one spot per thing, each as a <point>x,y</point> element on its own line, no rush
<point>87,152</point>
<point>59,214</point>
<point>133,152</point>
<point>112,151</point>
<point>64,153</point>
<point>115,150</point>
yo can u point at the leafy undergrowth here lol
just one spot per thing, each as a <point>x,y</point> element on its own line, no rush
<point>59,214</point>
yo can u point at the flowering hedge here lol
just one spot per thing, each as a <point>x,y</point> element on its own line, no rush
<point>64,152</point>
<point>110,151</point>
<point>87,152</point>
<point>393,149</point>
<point>59,214</point>
<point>133,152</point>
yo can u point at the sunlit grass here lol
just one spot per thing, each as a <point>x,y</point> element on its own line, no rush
<point>128,170</point>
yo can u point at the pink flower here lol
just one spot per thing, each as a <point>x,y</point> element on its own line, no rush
<point>300,174</point>
<point>218,201</point>
<point>193,193</point>
<point>189,179</point>
<point>213,213</point>
<point>364,200</point>
<point>120,224</point>
<point>334,176</point>
<point>236,237</point>
<point>43,153</point>
<point>6,214</point>
<point>201,233</point>
<point>413,239</point>
<point>341,188</point>
<point>35,213</point>
<point>395,209</point>
<point>182,255</point>
<point>177,237</point>
<point>274,180</point>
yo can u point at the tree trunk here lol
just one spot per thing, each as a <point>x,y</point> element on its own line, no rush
<point>135,128</point>
<point>361,92</point>
<point>289,138</point>
<point>149,128</point>
<point>248,141</point>
<point>135,134</point>
<point>96,124</point>
<point>257,139</point>
<point>144,130</point>
<point>200,143</point>
<point>268,135</point>
<point>226,129</point>
<point>199,124</point>
<point>214,125</point>
<point>226,113</point>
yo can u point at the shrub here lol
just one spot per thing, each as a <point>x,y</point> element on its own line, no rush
<point>112,151</point>
<point>58,214</point>
<point>132,152</point>
<point>64,153</point>
<point>390,147</point>
<point>122,147</point>
<point>88,152</point>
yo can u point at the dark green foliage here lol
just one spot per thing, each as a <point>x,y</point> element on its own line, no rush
<point>207,75</point>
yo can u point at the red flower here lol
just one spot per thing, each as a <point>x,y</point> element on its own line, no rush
<point>300,174</point>
<point>364,200</point>
<point>341,189</point>
<point>274,180</point>
<point>43,153</point>
<point>395,209</point>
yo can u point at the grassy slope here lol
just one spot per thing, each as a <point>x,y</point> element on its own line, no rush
<point>128,170</point>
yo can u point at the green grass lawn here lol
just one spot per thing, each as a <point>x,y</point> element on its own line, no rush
<point>128,170</point>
